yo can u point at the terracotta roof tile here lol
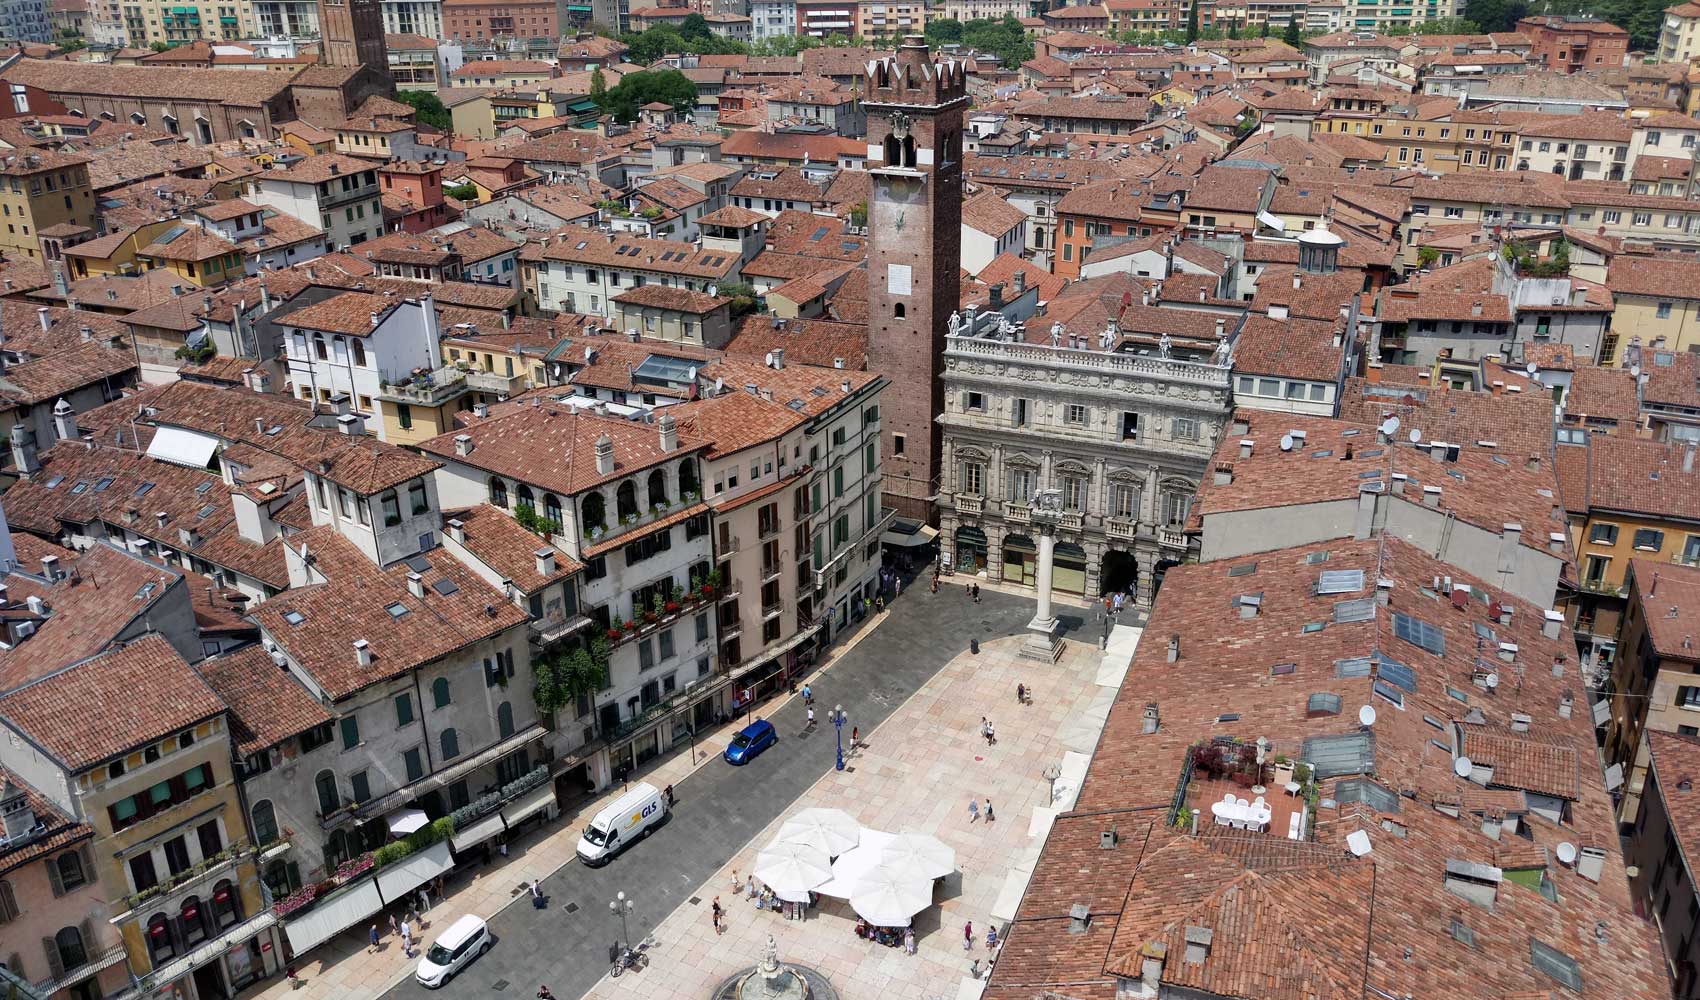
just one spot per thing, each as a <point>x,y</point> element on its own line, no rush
<point>267,705</point>
<point>503,544</point>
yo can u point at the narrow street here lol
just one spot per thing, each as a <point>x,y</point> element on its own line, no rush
<point>721,807</point>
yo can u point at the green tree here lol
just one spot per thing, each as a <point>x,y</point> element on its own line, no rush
<point>637,89</point>
<point>568,675</point>
<point>695,26</point>
<point>743,296</point>
<point>1233,29</point>
<point>462,192</point>
<point>1265,32</point>
<point>1192,23</point>
<point>1004,38</point>
<point>598,86</point>
<point>428,108</point>
<point>1503,15</point>
<point>1291,35</point>
<point>944,31</point>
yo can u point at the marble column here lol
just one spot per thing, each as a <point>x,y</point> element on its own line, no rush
<point>1043,643</point>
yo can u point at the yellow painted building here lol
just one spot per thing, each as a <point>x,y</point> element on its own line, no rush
<point>117,252</point>
<point>40,189</point>
<point>201,258</point>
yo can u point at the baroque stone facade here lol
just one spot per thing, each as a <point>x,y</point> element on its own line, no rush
<point>1125,437</point>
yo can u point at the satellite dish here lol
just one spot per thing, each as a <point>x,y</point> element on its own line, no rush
<point>1531,368</point>
<point>715,290</point>
<point>1358,842</point>
<point>1462,767</point>
<point>1492,681</point>
<point>1635,370</point>
<point>1389,426</point>
<point>1286,442</point>
<point>1366,715</point>
<point>768,359</point>
<point>1567,853</point>
<point>1415,436</point>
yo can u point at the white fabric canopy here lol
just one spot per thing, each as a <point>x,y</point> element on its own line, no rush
<point>920,855</point>
<point>181,447</point>
<point>886,898</point>
<point>832,831</point>
<point>329,918</point>
<point>792,868</point>
<point>848,870</point>
<point>404,821</point>
<point>476,832</point>
<point>414,870</point>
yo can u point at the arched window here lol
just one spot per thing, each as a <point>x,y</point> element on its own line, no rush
<point>440,692</point>
<point>451,745</point>
<point>499,492</point>
<point>69,943</point>
<point>265,821</point>
<point>552,508</point>
<point>594,510</point>
<point>625,499</point>
<point>657,487</point>
<point>524,497</point>
<point>319,350</point>
<point>160,945</point>
<point>226,904</point>
<point>504,720</point>
<point>359,353</point>
<point>909,151</point>
<point>893,151</point>
<point>193,918</point>
<point>325,784</point>
<point>336,849</point>
<point>688,482</point>
<point>899,310</point>
<point>8,902</point>
<point>71,872</point>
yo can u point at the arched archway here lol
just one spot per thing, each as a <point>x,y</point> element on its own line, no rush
<point>970,549</point>
<point>593,510</point>
<point>1118,571</point>
<point>657,488</point>
<point>1068,568</point>
<point>625,500</point>
<point>1157,572</point>
<point>1020,560</point>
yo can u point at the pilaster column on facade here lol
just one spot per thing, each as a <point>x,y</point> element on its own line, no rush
<point>1145,588</point>
<point>1094,568</point>
<point>948,525</point>
<point>1150,503</point>
<point>996,532</point>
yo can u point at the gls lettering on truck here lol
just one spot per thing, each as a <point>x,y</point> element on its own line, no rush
<point>616,826</point>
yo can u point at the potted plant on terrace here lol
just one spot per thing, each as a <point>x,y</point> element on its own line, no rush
<point>1283,770</point>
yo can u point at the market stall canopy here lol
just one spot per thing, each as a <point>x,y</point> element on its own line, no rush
<point>792,868</point>
<point>848,870</point>
<point>919,854</point>
<point>887,898</point>
<point>832,831</point>
<point>404,821</point>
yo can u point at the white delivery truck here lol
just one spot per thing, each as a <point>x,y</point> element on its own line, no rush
<point>629,818</point>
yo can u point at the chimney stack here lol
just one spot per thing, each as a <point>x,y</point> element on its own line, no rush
<point>669,432</point>
<point>545,561</point>
<point>65,421</point>
<point>457,530</point>
<point>351,425</point>
<point>604,455</point>
<point>416,585</point>
<point>1551,622</point>
<point>42,317</point>
<point>50,568</point>
<point>463,444</point>
<point>362,652</point>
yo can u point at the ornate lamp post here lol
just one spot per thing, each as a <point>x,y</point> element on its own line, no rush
<point>838,720</point>
<point>620,906</point>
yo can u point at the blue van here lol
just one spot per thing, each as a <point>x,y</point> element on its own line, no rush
<point>751,740</point>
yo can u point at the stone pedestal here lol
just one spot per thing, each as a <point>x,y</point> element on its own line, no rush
<point>1043,643</point>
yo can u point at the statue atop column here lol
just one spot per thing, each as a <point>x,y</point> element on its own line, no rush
<point>1043,643</point>
<point>953,326</point>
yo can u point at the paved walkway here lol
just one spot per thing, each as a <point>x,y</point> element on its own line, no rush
<point>917,771</point>
<point>874,670</point>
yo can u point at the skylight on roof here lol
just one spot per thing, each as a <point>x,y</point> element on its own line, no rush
<point>1369,792</point>
<point>1556,964</point>
<point>294,617</point>
<point>205,512</point>
<point>396,610</point>
<point>101,484</point>
<point>54,482</point>
<point>1419,633</point>
<point>1243,569</point>
<point>1356,666</point>
<point>204,487</point>
<point>1334,756</point>
<point>418,564</point>
<point>445,586</point>
<point>1340,581</point>
<point>142,490</point>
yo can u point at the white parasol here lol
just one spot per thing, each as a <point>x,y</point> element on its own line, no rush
<point>792,868</point>
<point>832,831</point>
<point>848,869</point>
<point>920,855</point>
<point>404,821</point>
<point>887,898</point>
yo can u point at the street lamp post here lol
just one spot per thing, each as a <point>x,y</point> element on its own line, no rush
<point>621,906</point>
<point>838,719</point>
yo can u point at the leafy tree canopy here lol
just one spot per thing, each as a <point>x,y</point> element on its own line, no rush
<point>668,86</point>
<point>428,108</point>
<point>1003,37</point>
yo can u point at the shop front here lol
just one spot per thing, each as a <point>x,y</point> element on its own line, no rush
<point>971,549</point>
<point>1020,560</point>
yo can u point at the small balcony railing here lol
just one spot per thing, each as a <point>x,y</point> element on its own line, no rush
<point>1121,528</point>
<point>968,503</point>
<point>1017,513</point>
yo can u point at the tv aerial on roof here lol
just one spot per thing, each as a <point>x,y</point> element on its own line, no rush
<point>1366,715</point>
<point>1462,767</point>
<point>1286,442</point>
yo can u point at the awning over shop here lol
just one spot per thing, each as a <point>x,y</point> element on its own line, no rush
<point>414,871</point>
<point>908,534</point>
<point>477,833</point>
<point>181,447</point>
<point>753,664</point>
<point>530,804</point>
<point>332,917</point>
<point>405,821</point>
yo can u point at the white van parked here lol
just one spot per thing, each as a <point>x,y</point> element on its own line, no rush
<point>465,940</point>
<point>629,818</point>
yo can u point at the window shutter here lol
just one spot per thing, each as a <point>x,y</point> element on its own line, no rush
<point>53,878</point>
<point>86,928</point>
<point>53,964</point>
<point>87,855</point>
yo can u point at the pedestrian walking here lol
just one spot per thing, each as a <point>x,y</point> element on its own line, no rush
<point>668,793</point>
<point>537,900</point>
<point>1108,606</point>
<point>406,941</point>
<point>989,815</point>
<point>855,736</point>
<point>394,928</point>
<point>808,696</point>
<point>976,588</point>
<point>544,994</point>
<point>737,883</point>
<point>718,914</point>
<point>1021,694</point>
<point>935,583</point>
<point>968,936</point>
<point>899,586</point>
<point>811,717</point>
<point>973,815</point>
<point>909,940</point>
<point>373,937</point>
<point>991,735</point>
<point>992,938</point>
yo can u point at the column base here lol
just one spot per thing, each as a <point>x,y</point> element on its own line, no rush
<point>1042,644</point>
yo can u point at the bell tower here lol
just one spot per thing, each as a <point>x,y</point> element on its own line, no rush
<point>351,33</point>
<point>915,105</point>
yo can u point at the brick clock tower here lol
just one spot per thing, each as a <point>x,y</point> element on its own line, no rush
<point>915,105</point>
<point>351,34</point>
